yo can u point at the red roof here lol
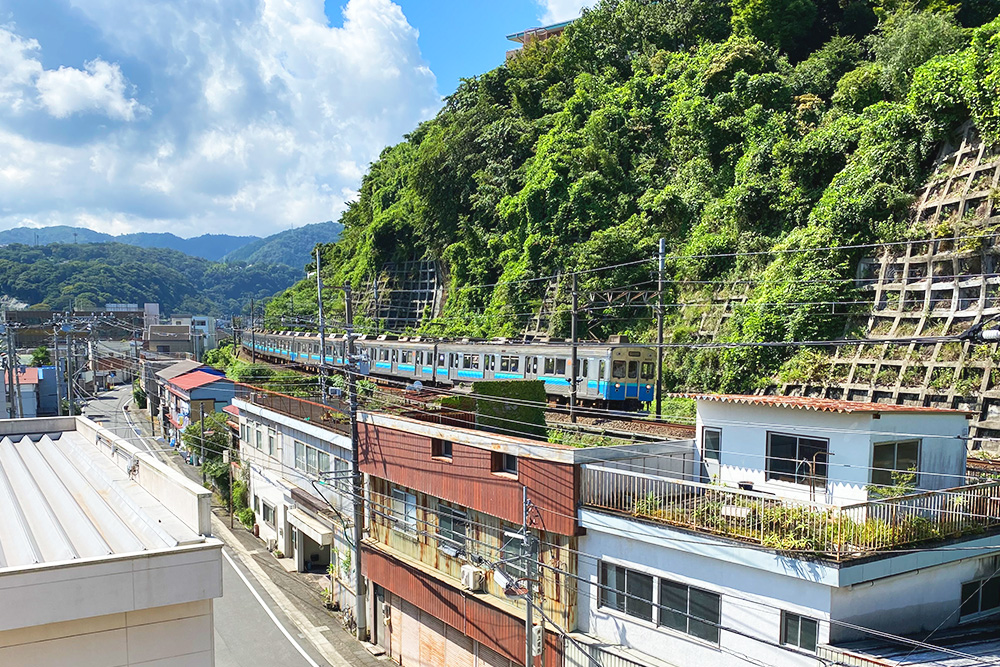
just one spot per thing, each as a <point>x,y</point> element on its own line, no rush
<point>28,376</point>
<point>232,409</point>
<point>822,404</point>
<point>195,379</point>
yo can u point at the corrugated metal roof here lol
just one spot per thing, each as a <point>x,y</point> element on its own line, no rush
<point>820,404</point>
<point>180,368</point>
<point>28,376</point>
<point>62,500</point>
<point>196,379</point>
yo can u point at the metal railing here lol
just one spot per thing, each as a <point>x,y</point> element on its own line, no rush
<point>332,416</point>
<point>838,533</point>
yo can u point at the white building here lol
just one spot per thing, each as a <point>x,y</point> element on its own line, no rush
<point>686,571</point>
<point>106,557</point>
<point>299,483</point>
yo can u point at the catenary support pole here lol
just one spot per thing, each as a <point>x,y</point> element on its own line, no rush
<point>574,371</point>
<point>360,612</point>
<point>659,328</point>
<point>322,326</point>
<point>55,360</point>
<point>528,547</point>
<point>253,337</point>
<point>201,420</point>
<point>69,371</point>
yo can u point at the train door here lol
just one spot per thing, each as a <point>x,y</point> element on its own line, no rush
<point>632,374</point>
<point>531,367</point>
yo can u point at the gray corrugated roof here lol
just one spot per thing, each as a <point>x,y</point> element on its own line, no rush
<point>62,500</point>
<point>180,368</point>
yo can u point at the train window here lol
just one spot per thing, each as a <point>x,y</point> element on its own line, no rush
<point>534,365</point>
<point>602,370</point>
<point>586,368</point>
<point>441,359</point>
<point>406,357</point>
<point>633,369</point>
<point>419,357</point>
<point>470,361</point>
<point>394,356</point>
<point>618,369</point>
<point>509,363</point>
<point>550,365</point>
<point>648,370</point>
<point>493,362</point>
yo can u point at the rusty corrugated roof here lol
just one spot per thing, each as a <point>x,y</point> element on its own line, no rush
<point>821,404</point>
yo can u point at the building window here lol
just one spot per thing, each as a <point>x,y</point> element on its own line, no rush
<point>441,449</point>
<point>404,511</point>
<point>300,455</point>
<point>258,439</point>
<point>790,458</point>
<point>690,610</point>
<point>270,443</point>
<point>712,440</point>
<point>452,526</point>
<point>890,457</point>
<point>799,631</point>
<point>513,557</point>
<point>503,462</point>
<point>980,597</point>
<point>626,591</point>
<point>268,513</point>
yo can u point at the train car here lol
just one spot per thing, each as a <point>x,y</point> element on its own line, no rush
<point>613,372</point>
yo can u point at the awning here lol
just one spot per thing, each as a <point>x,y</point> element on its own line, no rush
<point>321,534</point>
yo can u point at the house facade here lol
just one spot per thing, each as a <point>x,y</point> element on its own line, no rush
<point>189,396</point>
<point>764,556</point>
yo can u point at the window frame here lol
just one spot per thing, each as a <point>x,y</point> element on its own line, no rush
<point>501,463</point>
<point>265,510</point>
<point>785,640</point>
<point>781,476</point>
<point>449,536</point>
<point>875,474</point>
<point>442,448</point>
<point>717,450</point>
<point>405,518</point>
<point>981,583</point>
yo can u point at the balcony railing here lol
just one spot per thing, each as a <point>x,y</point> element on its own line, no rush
<point>826,531</point>
<point>332,416</point>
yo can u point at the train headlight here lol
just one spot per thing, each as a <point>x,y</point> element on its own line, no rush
<point>649,386</point>
<point>617,385</point>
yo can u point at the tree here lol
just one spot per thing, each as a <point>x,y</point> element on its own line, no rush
<point>40,356</point>
<point>216,441</point>
<point>778,23</point>
<point>139,395</point>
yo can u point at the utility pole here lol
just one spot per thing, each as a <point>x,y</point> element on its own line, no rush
<point>55,359</point>
<point>201,420</point>
<point>11,398</point>
<point>353,368</point>
<point>322,326</point>
<point>659,329</point>
<point>575,376</point>
<point>12,347</point>
<point>528,547</point>
<point>253,338</point>
<point>69,371</point>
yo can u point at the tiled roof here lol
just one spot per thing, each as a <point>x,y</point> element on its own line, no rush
<point>821,404</point>
<point>195,379</point>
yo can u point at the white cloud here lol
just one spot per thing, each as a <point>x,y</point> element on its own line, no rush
<point>100,87</point>
<point>18,69</point>
<point>557,11</point>
<point>258,115</point>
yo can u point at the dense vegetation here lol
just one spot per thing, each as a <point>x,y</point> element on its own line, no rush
<point>89,275</point>
<point>293,247</point>
<point>736,129</point>
<point>208,246</point>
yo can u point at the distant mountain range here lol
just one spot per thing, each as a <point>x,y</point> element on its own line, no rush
<point>292,247</point>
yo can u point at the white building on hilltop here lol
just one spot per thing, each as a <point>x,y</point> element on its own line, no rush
<point>106,558</point>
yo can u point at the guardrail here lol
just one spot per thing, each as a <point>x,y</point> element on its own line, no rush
<point>839,533</point>
<point>331,416</point>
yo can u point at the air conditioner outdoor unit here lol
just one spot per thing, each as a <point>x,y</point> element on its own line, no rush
<point>472,578</point>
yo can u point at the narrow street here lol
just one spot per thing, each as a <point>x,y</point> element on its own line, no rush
<point>250,629</point>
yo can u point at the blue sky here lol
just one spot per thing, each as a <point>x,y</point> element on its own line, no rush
<point>230,116</point>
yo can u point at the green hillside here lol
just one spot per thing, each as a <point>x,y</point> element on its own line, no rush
<point>207,246</point>
<point>88,275</point>
<point>292,247</point>
<point>753,136</point>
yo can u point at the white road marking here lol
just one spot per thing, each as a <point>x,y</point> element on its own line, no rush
<point>270,613</point>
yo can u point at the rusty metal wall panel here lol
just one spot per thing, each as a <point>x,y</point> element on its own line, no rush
<point>405,459</point>
<point>460,651</point>
<point>396,628</point>
<point>490,658</point>
<point>432,641</point>
<point>410,636</point>
<point>495,629</point>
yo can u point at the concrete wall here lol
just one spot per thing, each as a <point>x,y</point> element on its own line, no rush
<point>851,436</point>
<point>179,634</point>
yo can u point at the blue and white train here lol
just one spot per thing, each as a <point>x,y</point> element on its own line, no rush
<point>613,372</point>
